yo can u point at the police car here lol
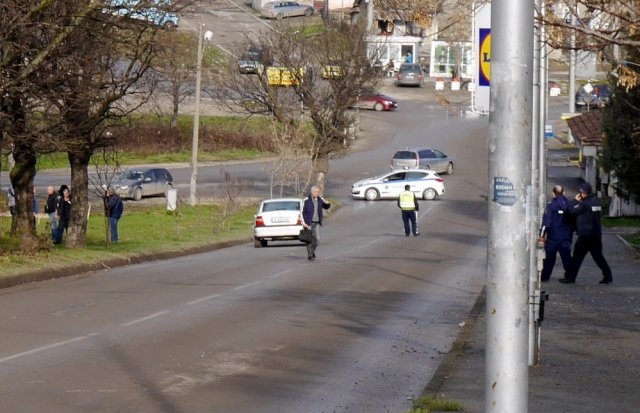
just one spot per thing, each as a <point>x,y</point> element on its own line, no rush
<point>424,183</point>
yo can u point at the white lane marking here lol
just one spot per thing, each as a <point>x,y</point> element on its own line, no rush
<point>347,252</point>
<point>242,287</point>
<point>203,299</point>
<point>143,319</point>
<point>212,296</point>
<point>47,347</point>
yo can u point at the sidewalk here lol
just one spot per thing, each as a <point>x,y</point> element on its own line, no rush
<point>590,355</point>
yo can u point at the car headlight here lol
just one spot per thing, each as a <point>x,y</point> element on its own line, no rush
<point>124,187</point>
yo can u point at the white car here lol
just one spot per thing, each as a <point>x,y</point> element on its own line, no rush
<point>277,220</point>
<point>425,184</point>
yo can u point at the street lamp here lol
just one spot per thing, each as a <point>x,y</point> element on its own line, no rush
<point>208,35</point>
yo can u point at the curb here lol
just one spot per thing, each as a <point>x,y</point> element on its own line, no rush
<point>42,275</point>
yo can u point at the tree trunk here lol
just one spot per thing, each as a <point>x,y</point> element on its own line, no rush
<point>77,232</point>
<point>175,100</point>
<point>320,169</point>
<point>21,176</point>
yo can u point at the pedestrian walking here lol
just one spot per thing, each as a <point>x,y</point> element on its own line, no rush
<point>115,207</point>
<point>36,207</point>
<point>557,233</point>
<point>587,209</point>
<point>11,203</point>
<point>408,203</point>
<point>63,213</point>
<point>312,218</point>
<point>50,210</point>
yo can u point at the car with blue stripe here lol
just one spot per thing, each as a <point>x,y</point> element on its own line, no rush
<point>425,184</point>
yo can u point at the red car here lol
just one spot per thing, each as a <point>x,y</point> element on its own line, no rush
<point>376,102</point>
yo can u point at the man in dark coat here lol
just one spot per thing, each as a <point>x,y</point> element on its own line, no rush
<point>587,209</point>
<point>63,212</point>
<point>312,218</point>
<point>50,210</point>
<point>558,232</point>
<point>115,207</point>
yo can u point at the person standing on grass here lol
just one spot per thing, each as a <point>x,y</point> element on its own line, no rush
<point>63,213</point>
<point>11,203</point>
<point>50,210</point>
<point>115,208</point>
<point>312,218</point>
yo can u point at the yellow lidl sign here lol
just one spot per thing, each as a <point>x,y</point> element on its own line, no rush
<point>484,76</point>
<point>283,76</point>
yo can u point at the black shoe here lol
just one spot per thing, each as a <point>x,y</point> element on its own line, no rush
<point>606,280</point>
<point>567,281</point>
<point>544,281</point>
<point>311,258</point>
<point>416,234</point>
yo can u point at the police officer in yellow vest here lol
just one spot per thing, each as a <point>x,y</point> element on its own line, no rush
<point>408,203</point>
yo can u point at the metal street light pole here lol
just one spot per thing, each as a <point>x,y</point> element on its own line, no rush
<point>510,142</point>
<point>196,118</point>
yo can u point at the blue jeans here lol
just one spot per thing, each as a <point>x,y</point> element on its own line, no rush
<point>53,220</point>
<point>113,228</point>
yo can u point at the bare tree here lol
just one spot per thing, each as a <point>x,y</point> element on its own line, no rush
<point>316,79</point>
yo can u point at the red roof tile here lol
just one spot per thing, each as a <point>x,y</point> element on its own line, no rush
<point>587,128</point>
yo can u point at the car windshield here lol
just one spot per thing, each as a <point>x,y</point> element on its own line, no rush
<point>134,175</point>
<point>409,69</point>
<point>281,206</point>
<point>404,155</point>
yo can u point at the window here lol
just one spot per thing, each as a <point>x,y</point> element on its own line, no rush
<point>404,155</point>
<point>438,154</point>
<point>396,177</point>
<point>429,154</point>
<point>281,206</point>
<point>414,176</point>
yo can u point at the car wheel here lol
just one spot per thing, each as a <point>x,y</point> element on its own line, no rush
<point>137,194</point>
<point>450,169</point>
<point>308,12</point>
<point>259,243</point>
<point>378,107</point>
<point>371,194</point>
<point>427,167</point>
<point>429,194</point>
<point>279,16</point>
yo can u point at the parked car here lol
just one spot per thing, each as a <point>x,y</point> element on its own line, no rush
<point>422,158</point>
<point>136,183</point>
<point>277,220</point>
<point>254,60</point>
<point>150,11</point>
<point>377,102</point>
<point>554,88</point>
<point>425,184</point>
<point>592,96</point>
<point>410,74</point>
<point>281,9</point>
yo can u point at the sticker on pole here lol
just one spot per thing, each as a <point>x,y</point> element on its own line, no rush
<point>504,192</point>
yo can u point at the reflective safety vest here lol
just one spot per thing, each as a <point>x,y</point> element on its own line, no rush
<point>407,201</point>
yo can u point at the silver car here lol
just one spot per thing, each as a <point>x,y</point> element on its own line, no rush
<point>422,158</point>
<point>281,9</point>
<point>136,183</point>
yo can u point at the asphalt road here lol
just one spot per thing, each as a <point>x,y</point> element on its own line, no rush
<point>362,328</point>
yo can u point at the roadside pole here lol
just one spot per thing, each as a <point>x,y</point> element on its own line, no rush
<point>510,143</point>
<point>196,124</point>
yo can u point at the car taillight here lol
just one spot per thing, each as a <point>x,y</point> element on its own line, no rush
<point>439,180</point>
<point>259,221</point>
<point>299,221</point>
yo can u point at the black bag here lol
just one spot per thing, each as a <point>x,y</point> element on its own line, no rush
<point>306,235</point>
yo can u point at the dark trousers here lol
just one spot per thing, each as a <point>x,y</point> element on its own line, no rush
<point>409,216</point>
<point>311,246</point>
<point>552,248</point>
<point>14,220</point>
<point>62,227</point>
<point>113,228</point>
<point>586,245</point>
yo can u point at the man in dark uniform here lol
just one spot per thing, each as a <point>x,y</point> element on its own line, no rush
<point>558,232</point>
<point>587,209</point>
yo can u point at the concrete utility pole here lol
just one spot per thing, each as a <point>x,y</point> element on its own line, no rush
<point>510,142</point>
<point>196,117</point>
<point>571,19</point>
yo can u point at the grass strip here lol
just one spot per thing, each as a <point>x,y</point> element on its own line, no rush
<point>428,404</point>
<point>143,230</point>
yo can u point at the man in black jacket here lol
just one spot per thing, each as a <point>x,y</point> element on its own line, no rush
<point>50,210</point>
<point>587,209</point>
<point>312,218</point>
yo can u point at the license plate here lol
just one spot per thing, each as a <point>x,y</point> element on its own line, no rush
<point>278,220</point>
